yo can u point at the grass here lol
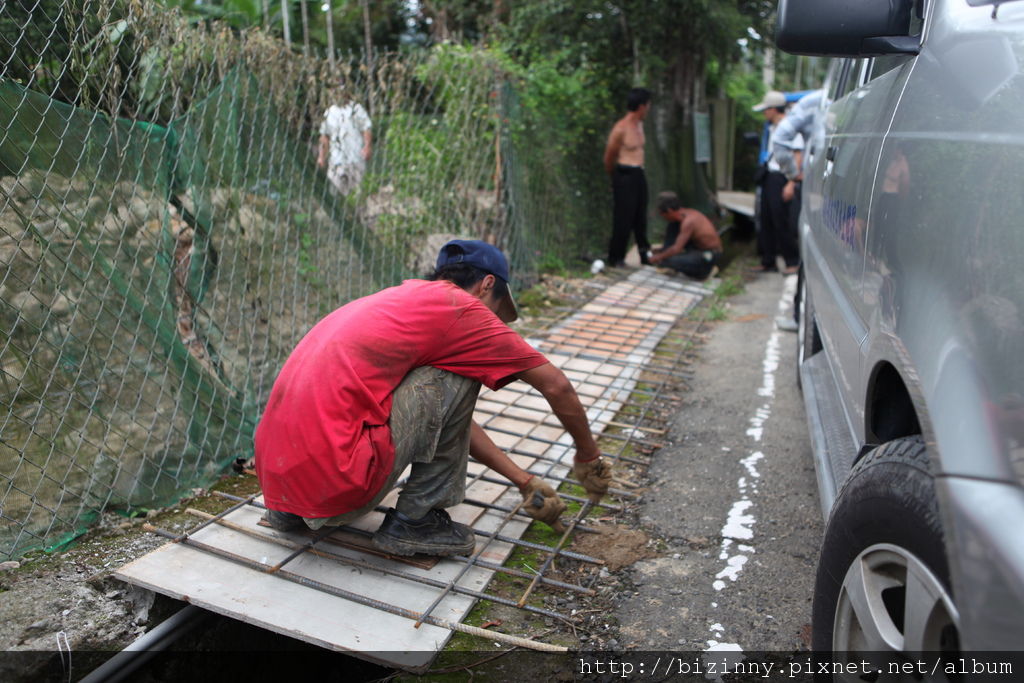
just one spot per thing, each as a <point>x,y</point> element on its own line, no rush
<point>535,299</point>
<point>731,285</point>
<point>716,308</point>
<point>716,312</point>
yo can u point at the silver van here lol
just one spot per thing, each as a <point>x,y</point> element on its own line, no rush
<point>911,341</point>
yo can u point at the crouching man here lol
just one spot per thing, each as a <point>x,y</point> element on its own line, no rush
<point>390,380</point>
<point>692,245</point>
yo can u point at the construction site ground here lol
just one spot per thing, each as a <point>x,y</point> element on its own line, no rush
<point>717,553</point>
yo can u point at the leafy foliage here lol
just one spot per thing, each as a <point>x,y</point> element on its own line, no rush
<point>388,19</point>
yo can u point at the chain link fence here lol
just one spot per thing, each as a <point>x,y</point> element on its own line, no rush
<point>167,234</point>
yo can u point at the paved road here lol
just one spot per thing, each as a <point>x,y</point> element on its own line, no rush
<point>734,491</point>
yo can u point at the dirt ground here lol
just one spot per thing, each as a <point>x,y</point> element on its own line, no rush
<point>616,544</point>
<point>67,600</point>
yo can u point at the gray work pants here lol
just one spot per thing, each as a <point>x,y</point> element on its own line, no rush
<point>431,413</point>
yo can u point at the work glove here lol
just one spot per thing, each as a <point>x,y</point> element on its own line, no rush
<point>542,503</point>
<point>593,475</point>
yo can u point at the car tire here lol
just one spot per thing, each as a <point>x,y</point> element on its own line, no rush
<point>882,587</point>
<point>808,340</point>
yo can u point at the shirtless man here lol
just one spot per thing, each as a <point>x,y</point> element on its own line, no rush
<point>692,245</point>
<point>624,162</point>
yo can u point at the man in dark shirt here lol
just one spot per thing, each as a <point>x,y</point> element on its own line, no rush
<point>692,245</point>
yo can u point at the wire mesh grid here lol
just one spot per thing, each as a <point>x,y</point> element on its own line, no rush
<point>518,419</point>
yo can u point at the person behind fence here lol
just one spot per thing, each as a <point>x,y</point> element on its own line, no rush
<point>389,381</point>
<point>346,142</point>
<point>692,245</point>
<point>624,162</point>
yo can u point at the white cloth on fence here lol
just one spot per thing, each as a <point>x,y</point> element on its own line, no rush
<point>344,127</point>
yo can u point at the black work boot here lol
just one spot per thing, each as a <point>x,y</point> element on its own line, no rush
<point>433,534</point>
<point>284,521</point>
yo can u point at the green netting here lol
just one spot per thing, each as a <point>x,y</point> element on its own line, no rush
<point>154,279</point>
<point>95,370</point>
<point>167,237</point>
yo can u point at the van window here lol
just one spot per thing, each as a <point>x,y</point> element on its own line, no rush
<point>886,63</point>
<point>833,78</point>
<point>850,78</point>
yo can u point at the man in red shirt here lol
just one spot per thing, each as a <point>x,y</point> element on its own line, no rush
<point>389,381</point>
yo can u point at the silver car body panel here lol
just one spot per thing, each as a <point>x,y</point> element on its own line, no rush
<point>913,253</point>
<point>988,567</point>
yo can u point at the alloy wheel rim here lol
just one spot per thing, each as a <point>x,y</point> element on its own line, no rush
<point>891,603</point>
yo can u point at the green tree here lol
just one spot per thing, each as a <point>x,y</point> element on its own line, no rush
<point>666,47</point>
<point>36,46</point>
<point>319,25</point>
<point>237,13</point>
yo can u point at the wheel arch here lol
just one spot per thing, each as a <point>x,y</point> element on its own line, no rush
<point>890,412</point>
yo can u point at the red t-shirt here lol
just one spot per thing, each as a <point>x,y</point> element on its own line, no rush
<point>323,445</point>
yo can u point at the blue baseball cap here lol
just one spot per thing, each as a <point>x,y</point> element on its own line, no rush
<point>487,258</point>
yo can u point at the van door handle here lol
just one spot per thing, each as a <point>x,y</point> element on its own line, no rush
<point>830,160</point>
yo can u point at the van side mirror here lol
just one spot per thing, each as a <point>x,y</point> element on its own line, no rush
<point>845,28</point>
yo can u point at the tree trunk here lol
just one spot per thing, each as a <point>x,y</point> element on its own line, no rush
<point>367,34</point>
<point>368,43</point>
<point>329,19</point>
<point>440,31</point>
<point>685,80</point>
<point>286,24</point>
<point>304,13</point>
<point>500,13</point>
<point>768,68</point>
<point>633,50</point>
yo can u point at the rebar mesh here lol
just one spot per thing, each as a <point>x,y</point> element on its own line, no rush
<point>167,236</point>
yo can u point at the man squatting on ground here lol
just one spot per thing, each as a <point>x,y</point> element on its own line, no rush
<point>692,245</point>
<point>390,380</point>
<point>624,162</point>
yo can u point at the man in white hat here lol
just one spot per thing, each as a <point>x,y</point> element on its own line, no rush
<point>774,238</point>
